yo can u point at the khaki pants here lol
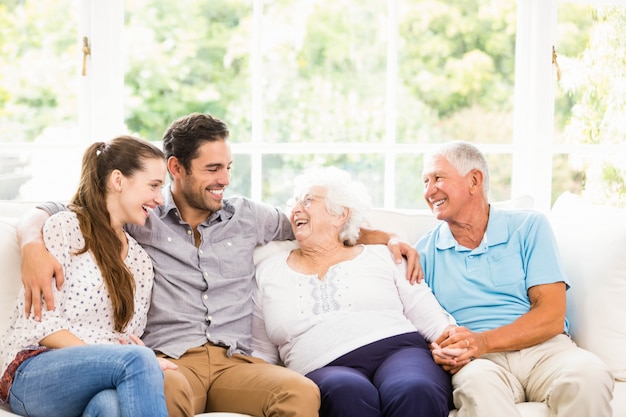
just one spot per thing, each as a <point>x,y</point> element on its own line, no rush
<point>209,380</point>
<point>571,381</point>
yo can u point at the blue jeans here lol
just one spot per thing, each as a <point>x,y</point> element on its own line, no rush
<point>393,377</point>
<point>90,380</point>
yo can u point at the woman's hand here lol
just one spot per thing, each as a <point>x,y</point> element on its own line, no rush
<point>166,364</point>
<point>163,363</point>
<point>456,347</point>
<point>449,358</point>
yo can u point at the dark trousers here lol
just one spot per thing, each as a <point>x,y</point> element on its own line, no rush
<point>392,377</point>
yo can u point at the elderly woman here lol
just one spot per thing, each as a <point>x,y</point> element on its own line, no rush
<point>344,315</point>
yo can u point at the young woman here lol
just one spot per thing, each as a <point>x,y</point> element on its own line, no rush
<point>84,357</point>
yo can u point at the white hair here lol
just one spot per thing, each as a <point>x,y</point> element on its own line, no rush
<point>465,157</point>
<point>341,192</point>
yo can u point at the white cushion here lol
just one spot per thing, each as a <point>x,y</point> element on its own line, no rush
<point>10,263</point>
<point>592,241</point>
<point>221,414</point>
<point>410,225</point>
<point>532,409</point>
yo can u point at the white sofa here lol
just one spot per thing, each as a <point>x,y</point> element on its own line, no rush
<point>593,246</point>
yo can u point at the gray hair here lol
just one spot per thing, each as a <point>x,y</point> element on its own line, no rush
<point>341,192</point>
<point>465,157</point>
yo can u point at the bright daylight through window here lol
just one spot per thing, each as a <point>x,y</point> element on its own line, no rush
<point>366,86</point>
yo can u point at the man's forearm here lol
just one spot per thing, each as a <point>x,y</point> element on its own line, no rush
<point>38,266</point>
<point>374,236</point>
<point>29,227</point>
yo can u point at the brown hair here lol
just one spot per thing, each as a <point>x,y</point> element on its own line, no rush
<point>186,134</point>
<point>126,154</point>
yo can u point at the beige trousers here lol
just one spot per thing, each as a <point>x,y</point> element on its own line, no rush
<point>571,381</point>
<point>209,380</point>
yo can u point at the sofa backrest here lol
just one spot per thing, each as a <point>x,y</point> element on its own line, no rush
<point>9,269</point>
<point>10,257</point>
<point>592,243</point>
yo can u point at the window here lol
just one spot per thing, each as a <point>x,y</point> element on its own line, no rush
<point>39,95</point>
<point>366,86</point>
<point>590,105</point>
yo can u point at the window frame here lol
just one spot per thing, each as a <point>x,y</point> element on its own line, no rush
<point>101,100</point>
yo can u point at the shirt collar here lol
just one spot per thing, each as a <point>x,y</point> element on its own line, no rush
<point>497,232</point>
<point>169,209</point>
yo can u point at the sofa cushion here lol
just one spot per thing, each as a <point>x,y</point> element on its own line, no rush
<point>592,241</point>
<point>410,225</point>
<point>10,264</point>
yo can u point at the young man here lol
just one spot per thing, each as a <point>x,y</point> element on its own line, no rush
<point>498,273</point>
<point>202,245</point>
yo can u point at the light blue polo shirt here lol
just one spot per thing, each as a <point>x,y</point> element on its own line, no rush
<point>487,287</point>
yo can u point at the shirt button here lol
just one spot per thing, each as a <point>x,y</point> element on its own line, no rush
<point>169,239</point>
<point>205,296</point>
<point>206,274</point>
<point>209,318</point>
<point>208,335</point>
<point>200,250</point>
<point>188,232</point>
<point>229,244</point>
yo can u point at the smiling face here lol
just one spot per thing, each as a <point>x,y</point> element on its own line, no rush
<point>310,220</point>
<point>132,198</point>
<point>200,191</point>
<point>445,190</point>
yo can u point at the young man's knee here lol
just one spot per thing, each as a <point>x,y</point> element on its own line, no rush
<point>178,394</point>
<point>300,390</point>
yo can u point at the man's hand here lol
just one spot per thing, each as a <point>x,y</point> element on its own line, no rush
<point>38,267</point>
<point>401,249</point>
<point>456,347</point>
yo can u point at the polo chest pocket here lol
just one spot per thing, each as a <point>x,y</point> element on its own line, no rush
<point>506,267</point>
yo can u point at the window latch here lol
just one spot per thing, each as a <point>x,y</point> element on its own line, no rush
<point>86,53</point>
<point>556,64</point>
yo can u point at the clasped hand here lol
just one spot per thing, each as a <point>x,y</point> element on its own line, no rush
<point>455,348</point>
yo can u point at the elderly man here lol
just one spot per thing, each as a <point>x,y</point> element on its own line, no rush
<point>498,273</point>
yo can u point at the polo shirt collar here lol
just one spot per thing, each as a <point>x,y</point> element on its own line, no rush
<point>497,231</point>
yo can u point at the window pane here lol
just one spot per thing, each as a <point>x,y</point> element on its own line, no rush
<point>410,188</point>
<point>41,62</point>
<point>409,184</point>
<point>324,68</point>
<point>456,69</point>
<point>500,166</point>
<point>591,98</point>
<point>240,176</point>
<point>187,56</point>
<point>280,170</point>
<point>565,176</point>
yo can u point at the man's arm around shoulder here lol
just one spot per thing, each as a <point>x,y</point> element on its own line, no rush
<point>38,265</point>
